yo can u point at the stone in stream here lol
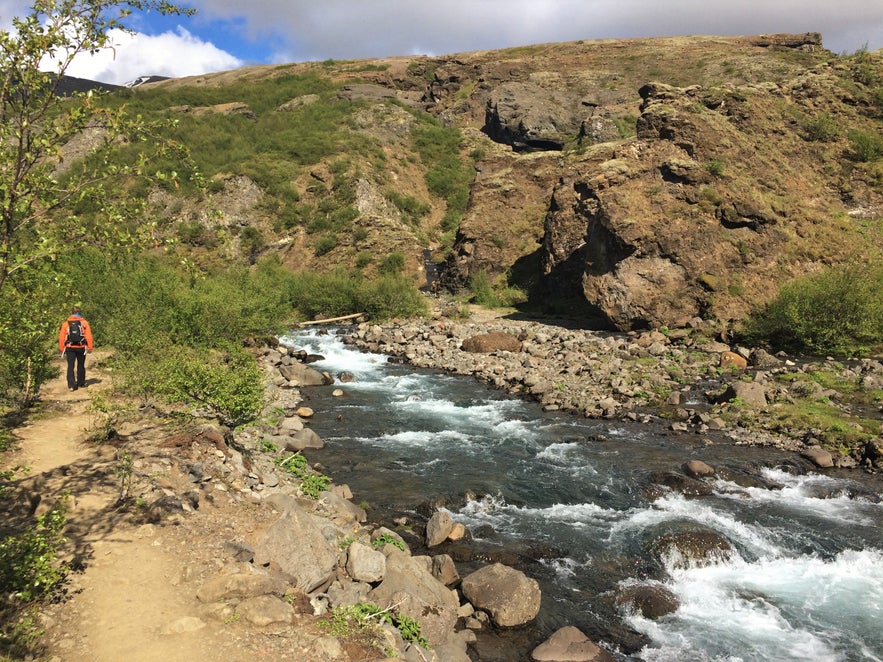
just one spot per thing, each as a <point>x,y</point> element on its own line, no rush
<point>508,595</point>
<point>569,644</point>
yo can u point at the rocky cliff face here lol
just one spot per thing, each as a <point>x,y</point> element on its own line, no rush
<point>653,180</point>
<point>722,193</point>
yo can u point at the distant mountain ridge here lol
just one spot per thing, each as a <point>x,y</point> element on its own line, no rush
<point>652,180</point>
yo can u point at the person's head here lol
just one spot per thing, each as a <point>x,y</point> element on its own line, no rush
<point>75,310</point>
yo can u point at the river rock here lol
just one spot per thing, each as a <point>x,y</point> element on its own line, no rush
<point>569,644</point>
<point>417,594</point>
<point>692,548</point>
<point>438,528</point>
<point>732,360</point>
<point>302,375</point>
<point>303,439</point>
<point>650,600</point>
<point>444,570</point>
<point>697,469</point>
<point>819,457</point>
<point>680,483</point>
<point>508,595</point>
<point>296,544</point>
<point>496,341</point>
<point>365,564</point>
<point>752,394</point>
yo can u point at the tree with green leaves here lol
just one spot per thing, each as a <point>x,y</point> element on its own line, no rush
<point>57,171</point>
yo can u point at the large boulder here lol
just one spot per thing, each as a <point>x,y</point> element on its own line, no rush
<point>508,595</point>
<point>303,439</point>
<point>365,564</point>
<point>297,545</point>
<point>438,528</point>
<point>302,375</point>
<point>496,341</point>
<point>650,600</point>
<point>530,117</point>
<point>410,586</point>
<point>569,644</point>
<point>700,547</point>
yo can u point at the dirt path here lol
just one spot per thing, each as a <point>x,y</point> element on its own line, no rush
<point>127,601</point>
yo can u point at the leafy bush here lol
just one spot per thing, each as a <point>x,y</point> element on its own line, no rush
<point>822,128</point>
<point>29,568</point>
<point>394,263</point>
<point>229,383</point>
<point>312,483</point>
<point>866,147</point>
<point>361,621</point>
<point>837,311</point>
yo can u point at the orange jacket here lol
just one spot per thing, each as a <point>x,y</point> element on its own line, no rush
<point>87,332</point>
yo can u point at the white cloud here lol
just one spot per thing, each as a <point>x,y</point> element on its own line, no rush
<point>355,28</point>
<point>172,54</point>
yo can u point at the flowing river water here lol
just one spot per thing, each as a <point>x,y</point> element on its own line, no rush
<point>568,498</point>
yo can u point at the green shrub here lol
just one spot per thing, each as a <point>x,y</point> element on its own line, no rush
<point>394,263</point>
<point>312,483</point>
<point>29,567</point>
<point>837,311</point>
<point>866,147</point>
<point>822,128</point>
<point>230,384</point>
<point>326,243</point>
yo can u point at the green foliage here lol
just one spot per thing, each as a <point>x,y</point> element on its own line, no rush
<point>626,125</point>
<point>484,293</point>
<point>29,567</point>
<point>312,483</point>
<point>341,292</point>
<point>412,208</point>
<point>837,311</point>
<point>394,263</point>
<point>229,383</point>
<point>267,446</point>
<point>326,243</point>
<point>387,539</point>
<point>822,128</point>
<point>866,146</point>
<point>361,620</point>
<point>47,205</point>
<point>447,176</point>
<point>715,167</point>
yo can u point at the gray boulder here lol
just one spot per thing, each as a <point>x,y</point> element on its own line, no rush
<point>303,439</point>
<point>508,595</point>
<point>569,644</point>
<point>417,594</point>
<point>302,374</point>
<point>438,528</point>
<point>365,564</point>
<point>296,544</point>
<point>264,610</point>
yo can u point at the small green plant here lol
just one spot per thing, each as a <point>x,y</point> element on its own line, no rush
<point>312,483</point>
<point>362,621</point>
<point>715,167</point>
<point>346,542</point>
<point>29,567</point>
<point>392,264</point>
<point>267,446</point>
<point>124,470</point>
<point>387,539</point>
<point>822,128</point>
<point>866,146</point>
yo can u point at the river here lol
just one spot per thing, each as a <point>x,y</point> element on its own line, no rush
<point>569,496</point>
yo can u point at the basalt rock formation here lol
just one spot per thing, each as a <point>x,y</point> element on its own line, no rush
<point>650,181</point>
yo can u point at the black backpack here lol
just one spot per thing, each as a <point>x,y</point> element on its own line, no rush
<point>75,335</point>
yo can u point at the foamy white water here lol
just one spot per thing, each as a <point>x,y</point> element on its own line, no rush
<point>804,580</point>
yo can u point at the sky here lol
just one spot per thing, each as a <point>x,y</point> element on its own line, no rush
<point>229,34</point>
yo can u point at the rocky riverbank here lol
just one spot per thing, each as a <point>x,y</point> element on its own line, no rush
<point>272,550</point>
<point>687,379</point>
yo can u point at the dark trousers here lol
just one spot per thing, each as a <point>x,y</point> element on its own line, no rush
<point>78,355</point>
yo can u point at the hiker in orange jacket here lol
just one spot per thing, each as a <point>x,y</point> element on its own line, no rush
<point>74,340</point>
